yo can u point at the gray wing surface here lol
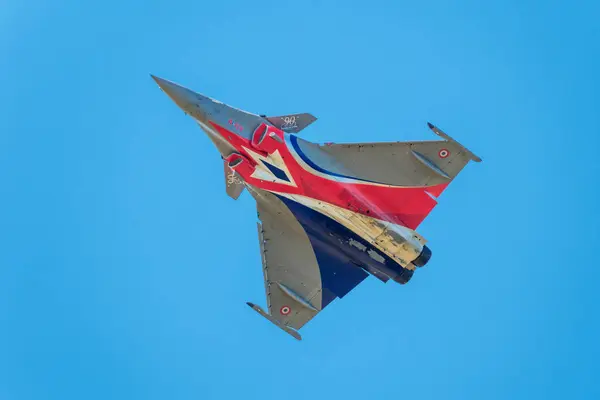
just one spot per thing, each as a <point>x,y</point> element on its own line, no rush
<point>301,277</point>
<point>418,163</point>
<point>400,163</point>
<point>291,271</point>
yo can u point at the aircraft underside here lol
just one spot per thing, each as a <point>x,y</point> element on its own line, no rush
<point>330,215</point>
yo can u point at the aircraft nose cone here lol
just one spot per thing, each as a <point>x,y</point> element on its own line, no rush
<point>159,81</point>
<point>192,103</point>
<point>181,96</point>
<point>164,84</point>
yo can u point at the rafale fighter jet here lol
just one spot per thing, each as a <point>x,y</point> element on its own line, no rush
<point>330,214</point>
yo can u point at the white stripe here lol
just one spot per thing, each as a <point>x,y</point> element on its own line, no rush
<point>398,242</point>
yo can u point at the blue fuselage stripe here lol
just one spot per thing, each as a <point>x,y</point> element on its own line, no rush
<point>307,160</point>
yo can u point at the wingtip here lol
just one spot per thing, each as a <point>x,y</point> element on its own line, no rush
<point>289,330</point>
<point>447,137</point>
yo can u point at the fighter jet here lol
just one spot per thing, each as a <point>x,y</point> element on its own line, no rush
<point>330,214</point>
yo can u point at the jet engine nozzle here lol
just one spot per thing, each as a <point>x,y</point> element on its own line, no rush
<point>423,258</point>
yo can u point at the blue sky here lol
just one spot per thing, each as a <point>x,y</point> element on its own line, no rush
<point>120,276</point>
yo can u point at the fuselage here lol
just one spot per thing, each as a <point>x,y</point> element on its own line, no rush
<point>328,215</point>
<point>361,220</point>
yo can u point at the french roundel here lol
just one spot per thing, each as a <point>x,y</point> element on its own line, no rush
<point>443,153</point>
<point>285,310</point>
